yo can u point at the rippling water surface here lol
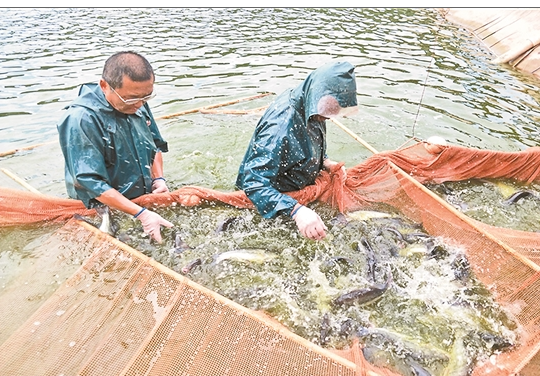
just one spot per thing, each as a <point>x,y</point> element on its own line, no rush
<point>204,56</point>
<point>417,76</point>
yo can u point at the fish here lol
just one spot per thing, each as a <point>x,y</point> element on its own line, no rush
<point>441,189</point>
<point>410,347</point>
<point>458,364</point>
<point>495,342</point>
<point>371,261</point>
<point>366,215</point>
<point>325,329</point>
<point>79,217</point>
<point>179,245</point>
<point>387,242</point>
<point>347,327</point>
<point>387,246</point>
<point>462,268</point>
<point>400,222</point>
<point>336,260</point>
<point>413,237</point>
<point>364,296</point>
<point>339,220</point>
<point>457,202</point>
<point>380,356</point>
<point>417,369</point>
<point>414,249</point>
<point>107,225</point>
<point>437,252</point>
<point>377,357</point>
<point>514,198</point>
<point>320,291</point>
<point>498,343</point>
<point>224,225</point>
<point>410,237</point>
<point>258,256</point>
<point>191,265</point>
<point>504,188</point>
<point>393,231</point>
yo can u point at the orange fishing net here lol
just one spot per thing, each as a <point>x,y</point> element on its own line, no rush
<point>373,180</point>
<point>506,260</point>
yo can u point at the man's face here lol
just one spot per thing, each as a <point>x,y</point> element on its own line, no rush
<point>129,91</point>
<point>329,107</point>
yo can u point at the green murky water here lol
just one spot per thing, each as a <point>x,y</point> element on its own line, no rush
<point>431,311</point>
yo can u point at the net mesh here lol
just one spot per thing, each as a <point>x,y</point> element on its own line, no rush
<point>144,317</point>
<point>123,313</point>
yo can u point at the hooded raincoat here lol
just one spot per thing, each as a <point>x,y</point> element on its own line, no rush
<point>104,148</point>
<point>288,147</point>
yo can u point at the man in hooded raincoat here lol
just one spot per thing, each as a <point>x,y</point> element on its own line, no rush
<point>288,149</point>
<point>111,144</point>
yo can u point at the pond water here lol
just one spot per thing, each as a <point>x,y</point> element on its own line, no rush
<point>417,76</point>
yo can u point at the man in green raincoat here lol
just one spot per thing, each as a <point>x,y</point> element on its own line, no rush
<point>111,144</point>
<point>288,149</point>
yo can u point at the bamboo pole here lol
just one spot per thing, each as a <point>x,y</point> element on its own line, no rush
<point>214,106</point>
<point>233,112</point>
<point>353,135</point>
<point>19,180</point>
<point>10,152</point>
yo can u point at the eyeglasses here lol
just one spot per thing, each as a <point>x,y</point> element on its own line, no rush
<point>132,101</point>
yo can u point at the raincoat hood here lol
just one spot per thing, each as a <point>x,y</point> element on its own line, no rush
<point>336,79</point>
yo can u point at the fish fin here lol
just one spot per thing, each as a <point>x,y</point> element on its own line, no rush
<point>79,217</point>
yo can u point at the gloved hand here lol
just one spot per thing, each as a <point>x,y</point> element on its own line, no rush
<point>152,223</point>
<point>159,185</point>
<point>333,167</point>
<point>309,223</point>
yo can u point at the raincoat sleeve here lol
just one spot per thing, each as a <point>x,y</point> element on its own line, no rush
<point>260,171</point>
<point>83,145</point>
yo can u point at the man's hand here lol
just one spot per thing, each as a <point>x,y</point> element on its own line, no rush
<point>152,223</point>
<point>309,223</point>
<point>330,166</point>
<point>159,185</point>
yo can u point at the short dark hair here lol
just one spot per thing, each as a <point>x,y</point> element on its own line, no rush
<point>126,63</point>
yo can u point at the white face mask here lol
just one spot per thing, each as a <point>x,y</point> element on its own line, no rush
<point>329,107</point>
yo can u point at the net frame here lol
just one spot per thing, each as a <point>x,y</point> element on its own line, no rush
<point>123,313</point>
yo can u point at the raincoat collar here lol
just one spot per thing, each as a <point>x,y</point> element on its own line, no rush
<point>91,96</point>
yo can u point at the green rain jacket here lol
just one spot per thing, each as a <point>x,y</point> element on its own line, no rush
<point>105,149</point>
<point>288,147</point>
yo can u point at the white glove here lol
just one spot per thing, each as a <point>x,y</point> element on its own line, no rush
<point>309,223</point>
<point>159,185</point>
<point>152,223</point>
